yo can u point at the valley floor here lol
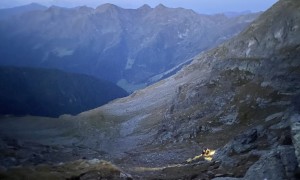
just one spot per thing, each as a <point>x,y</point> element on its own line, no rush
<point>266,150</point>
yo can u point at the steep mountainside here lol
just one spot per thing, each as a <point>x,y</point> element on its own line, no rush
<point>124,46</point>
<point>240,99</point>
<point>45,92</point>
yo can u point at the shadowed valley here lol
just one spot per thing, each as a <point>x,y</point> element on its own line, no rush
<point>240,100</point>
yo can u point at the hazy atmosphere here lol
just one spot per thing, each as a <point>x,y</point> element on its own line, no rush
<point>202,6</point>
<point>176,89</point>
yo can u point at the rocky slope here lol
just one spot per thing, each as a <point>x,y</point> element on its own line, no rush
<point>124,46</point>
<point>240,99</point>
<point>46,92</point>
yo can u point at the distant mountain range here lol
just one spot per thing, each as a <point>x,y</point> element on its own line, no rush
<point>46,92</point>
<point>16,11</point>
<point>128,47</point>
<point>232,113</point>
<point>235,14</point>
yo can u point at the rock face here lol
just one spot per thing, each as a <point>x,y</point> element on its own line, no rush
<point>237,99</point>
<point>45,92</point>
<point>295,128</point>
<point>125,46</point>
<point>243,80</point>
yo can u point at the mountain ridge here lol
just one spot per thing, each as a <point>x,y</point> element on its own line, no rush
<point>239,100</point>
<point>10,12</point>
<point>174,105</point>
<point>113,43</point>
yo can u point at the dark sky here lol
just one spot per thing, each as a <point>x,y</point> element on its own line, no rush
<point>202,6</point>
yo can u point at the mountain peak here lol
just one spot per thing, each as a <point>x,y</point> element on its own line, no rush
<point>9,12</point>
<point>160,6</point>
<point>238,98</point>
<point>54,7</point>
<point>84,8</point>
<point>145,6</point>
<point>35,4</point>
<point>107,6</point>
<point>144,9</point>
<point>31,6</point>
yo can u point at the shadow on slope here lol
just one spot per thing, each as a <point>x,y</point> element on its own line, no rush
<point>44,92</point>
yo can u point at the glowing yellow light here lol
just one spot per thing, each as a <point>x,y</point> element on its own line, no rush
<point>212,152</point>
<point>208,156</point>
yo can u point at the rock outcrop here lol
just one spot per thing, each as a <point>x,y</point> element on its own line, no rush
<point>237,99</point>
